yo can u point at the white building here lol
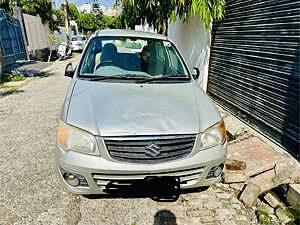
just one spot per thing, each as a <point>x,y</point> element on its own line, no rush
<point>193,41</point>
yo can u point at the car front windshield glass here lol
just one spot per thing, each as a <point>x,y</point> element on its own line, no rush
<point>78,39</point>
<point>149,58</point>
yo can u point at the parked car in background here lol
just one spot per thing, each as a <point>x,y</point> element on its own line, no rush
<point>135,113</point>
<point>78,42</point>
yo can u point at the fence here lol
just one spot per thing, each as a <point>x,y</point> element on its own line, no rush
<point>11,40</point>
<point>37,32</point>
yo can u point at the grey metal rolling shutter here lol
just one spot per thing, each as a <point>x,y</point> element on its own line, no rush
<point>254,66</point>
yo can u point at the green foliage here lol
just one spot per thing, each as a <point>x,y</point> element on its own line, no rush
<point>263,218</point>
<point>60,17</point>
<point>73,12</point>
<point>96,20</point>
<point>90,21</point>
<point>7,77</point>
<point>86,21</point>
<point>112,22</point>
<point>7,5</point>
<point>17,78</point>
<point>157,12</point>
<point>52,40</point>
<point>96,9</point>
<point>43,8</point>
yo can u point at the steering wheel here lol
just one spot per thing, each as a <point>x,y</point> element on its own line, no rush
<point>108,64</point>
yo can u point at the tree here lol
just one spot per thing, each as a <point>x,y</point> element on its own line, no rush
<point>157,13</point>
<point>52,40</point>
<point>43,8</point>
<point>91,22</point>
<point>96,9</point>
<point>60,17</point>
<point>7,5</point>
<point>72,12</point>
<point>112,22</point>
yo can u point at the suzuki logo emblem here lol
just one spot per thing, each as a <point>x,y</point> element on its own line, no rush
<point>152,150</point>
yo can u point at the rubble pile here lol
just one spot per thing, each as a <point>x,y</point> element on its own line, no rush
<point>254,170</point>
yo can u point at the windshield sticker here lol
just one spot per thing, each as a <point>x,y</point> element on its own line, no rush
<point>167,44</point>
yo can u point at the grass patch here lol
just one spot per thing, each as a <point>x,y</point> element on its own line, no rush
<point>8,76</point>
<point>76,53</point>
<point>4,86</point>
<point>17,78</point>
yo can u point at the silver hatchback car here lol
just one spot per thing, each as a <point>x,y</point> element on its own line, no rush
<point>78,42</point>
<point>134,110</point>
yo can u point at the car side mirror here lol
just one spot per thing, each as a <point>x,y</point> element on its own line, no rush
<point>196,73</point>
<point>69,72</point>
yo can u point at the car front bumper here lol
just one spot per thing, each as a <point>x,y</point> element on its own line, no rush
<point>78,47</point>
<point>99,171</point>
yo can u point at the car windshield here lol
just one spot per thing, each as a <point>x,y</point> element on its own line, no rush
<point>78,39</point>
<point>136,57</point>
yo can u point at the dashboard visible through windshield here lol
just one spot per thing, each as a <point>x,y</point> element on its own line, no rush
<point>134,58</point>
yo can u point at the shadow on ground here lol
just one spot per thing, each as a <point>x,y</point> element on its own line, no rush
<point>164,217</point>
<point>156,194</point>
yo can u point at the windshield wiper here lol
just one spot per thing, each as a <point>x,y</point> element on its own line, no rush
<point>167,77</point>
<point>120,76</point>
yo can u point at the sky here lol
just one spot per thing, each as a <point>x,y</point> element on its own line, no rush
<point>106,3</point>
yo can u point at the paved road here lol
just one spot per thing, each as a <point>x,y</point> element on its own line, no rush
<point>30,189</point>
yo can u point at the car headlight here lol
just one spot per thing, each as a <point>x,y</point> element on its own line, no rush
<point>70,138</point>
<point>213,136</point>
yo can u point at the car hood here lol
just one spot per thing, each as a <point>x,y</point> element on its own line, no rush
<point>126,109</point>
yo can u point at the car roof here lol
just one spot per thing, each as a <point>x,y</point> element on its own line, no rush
<point>129,33</point>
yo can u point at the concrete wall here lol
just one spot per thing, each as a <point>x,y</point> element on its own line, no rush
<point>61,36</point>
<point>37,32</point>
<point>193,41</point>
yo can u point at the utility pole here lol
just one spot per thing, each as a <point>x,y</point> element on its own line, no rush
<point>66,13</point>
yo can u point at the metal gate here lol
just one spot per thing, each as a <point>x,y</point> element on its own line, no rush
<point>254,66</point>
<point>11,40</point>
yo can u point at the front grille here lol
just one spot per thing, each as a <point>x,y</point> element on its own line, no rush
<point>186,176</point>
<point>150,149</point>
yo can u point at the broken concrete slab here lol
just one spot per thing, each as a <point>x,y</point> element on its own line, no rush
<point>272,199</point>
<point>293,195</point>
<point>261,206</point>
<point>223,195</point>
<point>234,177</point>
<point>258,156</point>
<point>283,216</point>
<point>284,169</point>
<point>237,186</point>
<point>234,126</point>
<point>250,194</point>
<point>264,180</point>
<point>295,177</point>
<point>233,164</point>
